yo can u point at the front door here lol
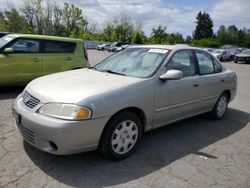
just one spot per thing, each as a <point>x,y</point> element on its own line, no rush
<point>177,99</point>
<point>23,64</point>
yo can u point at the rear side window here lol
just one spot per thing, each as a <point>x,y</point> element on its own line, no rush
<point>58,47</point>
<point>205,61</point>
<point>25,46</point>
<point>217,66</point>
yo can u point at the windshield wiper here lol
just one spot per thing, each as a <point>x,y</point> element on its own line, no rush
<point>93,68</point>
<point>113,72</point>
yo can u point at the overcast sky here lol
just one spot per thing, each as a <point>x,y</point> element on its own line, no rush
<point>177,16</point>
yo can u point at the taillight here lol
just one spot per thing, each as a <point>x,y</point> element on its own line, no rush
<point>85,53</point>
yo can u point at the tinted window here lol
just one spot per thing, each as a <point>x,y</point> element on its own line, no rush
<point>25,46</point>
<point>59,47</point>
<point>205,62</point>
<point>183,61</point>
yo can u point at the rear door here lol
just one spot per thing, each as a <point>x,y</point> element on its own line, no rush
<point>57,56</point>
<point>211,79</point>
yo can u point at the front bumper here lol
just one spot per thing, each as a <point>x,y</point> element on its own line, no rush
<point>57,136</point>
<point>242,59</point>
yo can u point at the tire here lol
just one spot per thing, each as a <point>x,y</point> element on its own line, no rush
<point>221,59</point>
<point>220,107</point>
<point>121,136</point>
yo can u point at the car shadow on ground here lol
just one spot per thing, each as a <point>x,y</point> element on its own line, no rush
<point>158,149</point>
<point>10,92</point>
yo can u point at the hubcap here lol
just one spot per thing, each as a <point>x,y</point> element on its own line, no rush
<point>222,106</point>
<point>124,137</point>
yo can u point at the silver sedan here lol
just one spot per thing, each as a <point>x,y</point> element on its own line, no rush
<point>110,106</point>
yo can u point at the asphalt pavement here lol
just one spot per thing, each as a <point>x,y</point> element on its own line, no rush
<point>197,152</point>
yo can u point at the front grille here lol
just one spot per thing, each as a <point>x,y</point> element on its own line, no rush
<point>27,134</point>
<point>241,59</point>
<point>29,100</point>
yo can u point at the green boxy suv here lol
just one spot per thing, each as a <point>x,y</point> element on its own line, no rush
<point>25,57</point>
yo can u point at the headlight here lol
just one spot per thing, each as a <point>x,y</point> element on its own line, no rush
<point>65,111</point>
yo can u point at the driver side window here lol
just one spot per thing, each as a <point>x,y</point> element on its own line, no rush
<point>183,61</point>
<point>25,46</point>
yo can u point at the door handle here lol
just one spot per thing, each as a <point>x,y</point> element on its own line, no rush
<point>68,58</point>
<point>222,80</point>
<point>36,60</point>
<point>196,84</point>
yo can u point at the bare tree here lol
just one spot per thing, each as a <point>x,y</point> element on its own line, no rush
<point>28,10</point>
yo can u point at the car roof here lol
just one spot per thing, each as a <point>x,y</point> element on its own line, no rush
<point>46,37</point>
<point>169,47</point>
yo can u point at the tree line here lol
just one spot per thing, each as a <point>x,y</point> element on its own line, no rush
<point>49,18</point>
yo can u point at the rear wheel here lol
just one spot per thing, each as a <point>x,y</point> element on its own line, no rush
<point>121,136</point>
<point>220,107</point>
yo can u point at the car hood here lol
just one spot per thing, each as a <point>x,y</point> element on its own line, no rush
<point>243,55</point>
<point>216,54</point>
<point>101,45</point>
<point>74,86</point>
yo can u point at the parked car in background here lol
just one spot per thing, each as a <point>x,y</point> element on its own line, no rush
<point>114,46</point>
<point>234,51</point>
<point>122,47</point>
<point>222,55</point>
<point>25,57</point>
<point>209,49</point>
<point>112,104</point>
<point>2,34</point>
<point>243,57</point>
<point>103,46</point>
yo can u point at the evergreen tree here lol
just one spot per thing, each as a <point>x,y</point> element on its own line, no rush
<point>204,27</point>
<point>137,38</point>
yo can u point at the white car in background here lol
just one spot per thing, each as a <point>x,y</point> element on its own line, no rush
<point>122,47</point>
<point>103,46</point>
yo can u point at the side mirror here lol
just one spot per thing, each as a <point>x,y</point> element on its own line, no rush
<point>8,50</point>
<point>172,75</point>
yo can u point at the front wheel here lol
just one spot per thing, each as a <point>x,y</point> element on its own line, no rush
<point>220,107</point>
<point>121,136</point>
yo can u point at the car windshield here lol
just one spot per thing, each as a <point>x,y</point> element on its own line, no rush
<point>5,40</point>
<point>246,52</point>
<point>218,51</point>
<point>138,62</point>
<point>113,44</point>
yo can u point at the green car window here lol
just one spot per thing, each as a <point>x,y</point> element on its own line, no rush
<point>26,46</point>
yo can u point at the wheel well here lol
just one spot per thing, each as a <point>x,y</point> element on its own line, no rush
<point>76,68</point>
<point>134,110</point>
<point>228,93</point>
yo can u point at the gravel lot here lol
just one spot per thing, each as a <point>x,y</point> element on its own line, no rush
<point>197,152</point>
